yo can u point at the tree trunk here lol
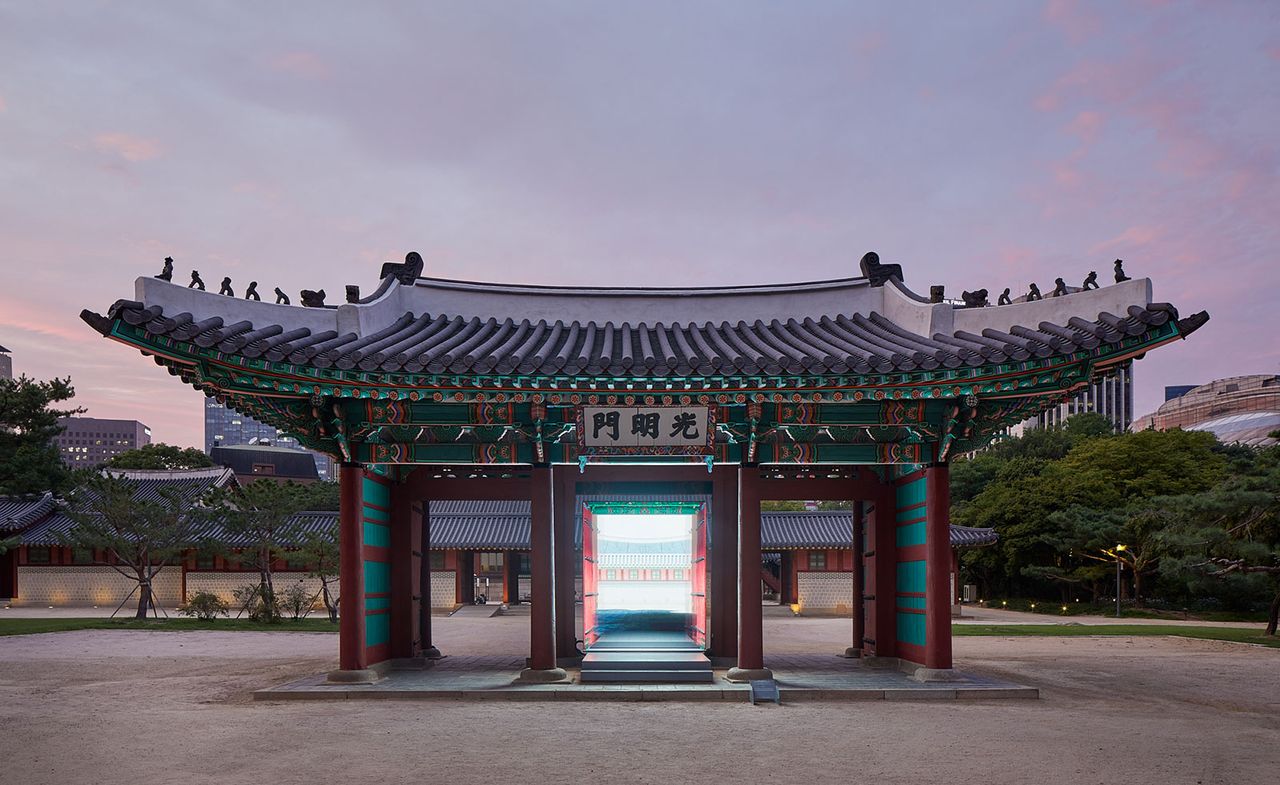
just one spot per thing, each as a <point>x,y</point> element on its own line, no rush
<point>1137,587</point>
<point>144,595</point>
<point>329,605</point>
<point>1273,614</point>
<point>267,597</point>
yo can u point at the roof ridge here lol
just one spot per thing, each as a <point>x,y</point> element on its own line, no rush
<point>214,472</point>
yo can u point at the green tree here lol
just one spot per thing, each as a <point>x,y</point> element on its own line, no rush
<point>259,522</point>
<point>320,551</point>
<point>161,457</point>
<point>1231,533</point>
<point>29,460</point>
<point>138,536</point>
<point>1062,500</point>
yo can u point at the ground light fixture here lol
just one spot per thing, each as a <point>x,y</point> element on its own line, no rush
<point>1119,548</point>
<point>795,608</point>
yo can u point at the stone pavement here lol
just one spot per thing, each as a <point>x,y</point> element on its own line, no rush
<point>799,677</point>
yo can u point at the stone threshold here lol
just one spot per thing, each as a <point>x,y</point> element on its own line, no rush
<point>790,688</point>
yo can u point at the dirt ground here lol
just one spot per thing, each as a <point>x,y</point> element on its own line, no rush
<point>137,707</point>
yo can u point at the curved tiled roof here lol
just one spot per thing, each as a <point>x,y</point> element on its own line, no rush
<point>17,512</point>
<point>835,343</point>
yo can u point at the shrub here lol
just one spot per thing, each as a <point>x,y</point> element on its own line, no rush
<point>250,602</point>
<point>205,605</point>
<point>296,601</point>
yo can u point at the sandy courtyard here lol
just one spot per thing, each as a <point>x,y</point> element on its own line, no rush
<point>138,707</point>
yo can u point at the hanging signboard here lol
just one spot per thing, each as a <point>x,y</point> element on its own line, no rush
<point>645,430</point>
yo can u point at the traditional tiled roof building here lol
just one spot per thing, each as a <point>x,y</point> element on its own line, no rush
<point>718,398</point>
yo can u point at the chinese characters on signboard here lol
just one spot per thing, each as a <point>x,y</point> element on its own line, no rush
<point>640,430</point>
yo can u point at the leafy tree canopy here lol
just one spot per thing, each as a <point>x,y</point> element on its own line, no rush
<point>140,536</point>
<point>29,460</point>
<point>161,456</point>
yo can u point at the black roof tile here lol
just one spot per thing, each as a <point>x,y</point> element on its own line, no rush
<point>835,344</point>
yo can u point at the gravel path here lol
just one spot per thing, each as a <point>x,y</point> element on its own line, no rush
<point>136,707</point>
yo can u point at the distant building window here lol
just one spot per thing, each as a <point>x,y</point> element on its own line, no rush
<point>610,575</point>
<point>264,468</point>
<point>295,563</point>
<point>635,575</point>
<point>817,560</point>
<point>38,555</point>
<point>82,556</point>
<point>437,560</point>
<point>205,561</point>
<point>677,575</point>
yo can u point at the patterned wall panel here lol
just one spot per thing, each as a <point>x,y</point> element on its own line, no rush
<point>910,538</point>
<point>87,585</point>
<point>444,586</point>
<point>825,592</point>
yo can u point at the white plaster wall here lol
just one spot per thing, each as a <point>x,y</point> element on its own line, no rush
<point>1113,298</point>
<point>87,585</point>
<point>825,592</point>
<point>224,584</point>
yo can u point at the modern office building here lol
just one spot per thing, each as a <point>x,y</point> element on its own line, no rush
<point>225,427</point>
<point>250,462</point>
<point>6,364</point>
<point>86,442</point>
<point>1238,410</point>
<point>1112,397</point>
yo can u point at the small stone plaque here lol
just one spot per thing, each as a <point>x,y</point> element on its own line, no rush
<point>764,690</point>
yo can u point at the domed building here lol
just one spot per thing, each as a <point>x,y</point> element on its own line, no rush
<point>1238,410</point>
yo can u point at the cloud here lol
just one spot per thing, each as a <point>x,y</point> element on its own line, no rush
<point>21,314</point>
<point>1132,237</point>
<point>1072,18</point>
<point>304,64</point>
<point>127,146</point>
<point>1086,125</point>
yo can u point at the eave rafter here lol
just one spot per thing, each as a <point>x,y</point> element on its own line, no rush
<point>326,409</point>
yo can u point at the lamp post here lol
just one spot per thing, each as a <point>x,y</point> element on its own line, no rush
<point>1118,549</point>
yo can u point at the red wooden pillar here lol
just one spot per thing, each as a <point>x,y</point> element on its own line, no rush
<point>427,643</point>
<point>937,607</point>
<point>351,653</point>
<point>406,552</point>
<point>859,570</point>
<point>884,568</point>
<point>542,616</point>
<point>786,570</point>
<point>724,563</point>
<point>750,613</point>
<point>564,513</point>
<point>511,577</point>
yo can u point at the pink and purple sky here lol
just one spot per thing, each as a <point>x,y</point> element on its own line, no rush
<point>662,143</point>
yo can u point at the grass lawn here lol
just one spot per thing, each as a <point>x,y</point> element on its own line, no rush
<point>1211,633</point>
<point>31,626</point>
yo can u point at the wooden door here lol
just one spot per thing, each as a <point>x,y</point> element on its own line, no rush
<point>590,580</point>
<point>698,579</point>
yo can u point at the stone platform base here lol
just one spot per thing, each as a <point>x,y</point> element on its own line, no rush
<point>799,678</point>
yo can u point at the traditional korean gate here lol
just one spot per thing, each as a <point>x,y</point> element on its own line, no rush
<point>698,605</point>
<point>590,579</point>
